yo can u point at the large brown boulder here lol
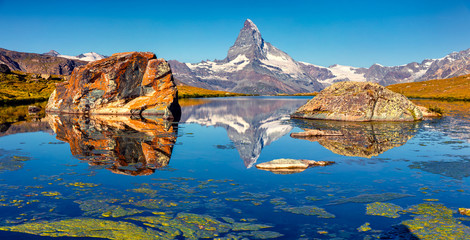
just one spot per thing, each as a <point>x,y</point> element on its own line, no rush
<point>133,83</point>
<point>359,101</point>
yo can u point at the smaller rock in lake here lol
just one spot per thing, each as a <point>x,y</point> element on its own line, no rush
<point>287,166</point>
<point>315,132</point>
<point>464,211</point>
<point>33,109</point>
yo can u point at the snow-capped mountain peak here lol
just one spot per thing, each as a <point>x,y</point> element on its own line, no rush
<point>88,57</point>
<point>91,56</point>
<point>52,53</point>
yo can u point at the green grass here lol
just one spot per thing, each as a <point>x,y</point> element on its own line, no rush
<point>25,88</point>
<point>185,91</point>
<point>451,89</point>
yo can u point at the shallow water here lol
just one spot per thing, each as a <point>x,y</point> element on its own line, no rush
<point>73,176</point>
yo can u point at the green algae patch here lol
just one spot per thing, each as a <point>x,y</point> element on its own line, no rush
<point>309,210</point>
<point>192,226</point>
<point>262,234</point>
<point>369,198</point>
<point>238,226</point>
<point>389,210</point>
<point>51,194</point>
<point>82,185</point>
<point>435,221</point>
<point>364,227</point>
<point>312,198</point>
<point>278,201</point>
<point>119,211</point>
<point>155,204</point>
<point>85,227</point>
<point>147,191</point>
<point>12,163</point>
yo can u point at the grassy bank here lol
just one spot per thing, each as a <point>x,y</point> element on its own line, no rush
<point>451,89</point>
<point>298,94</point>
<point>195,92</point>
<point>18,88</point>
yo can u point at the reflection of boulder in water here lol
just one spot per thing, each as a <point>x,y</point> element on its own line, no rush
<point>121,144</point>
<point>251,123</point>
<point>360,139</point>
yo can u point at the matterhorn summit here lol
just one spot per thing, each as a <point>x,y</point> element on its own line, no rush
<point>251,66</point>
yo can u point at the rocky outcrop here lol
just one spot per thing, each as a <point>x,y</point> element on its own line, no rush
<point>4,68</point>
<point>120,144</point>
<point>359,101</point>
<point>38,63</point>
<point>133,83</point>
<point>288,166</point>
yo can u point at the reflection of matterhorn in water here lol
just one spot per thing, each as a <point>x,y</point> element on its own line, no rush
<point>251,123</point>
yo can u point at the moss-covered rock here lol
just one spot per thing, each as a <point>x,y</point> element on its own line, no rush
<point>359,101</point>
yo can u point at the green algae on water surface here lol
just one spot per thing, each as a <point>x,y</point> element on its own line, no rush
<point>192,226</point>
<point>435,221</point>
<point>118,211</point>
<point>12,163</point>
<point>85,227</point>
<point>309,210</point>
<point>369,198</point>
<point>364,227</point>
<point>383,209</point>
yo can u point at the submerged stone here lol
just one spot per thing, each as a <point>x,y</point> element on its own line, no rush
<point>309,210</point>
<point>359,101</point>
<point>464,211</point>
<point>368,198</point>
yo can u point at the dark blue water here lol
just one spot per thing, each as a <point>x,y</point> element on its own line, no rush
<point>90,169</point>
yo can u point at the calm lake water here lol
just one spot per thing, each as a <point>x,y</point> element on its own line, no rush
<point>124,178</point>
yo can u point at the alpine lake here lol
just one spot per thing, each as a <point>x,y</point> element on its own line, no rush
<point>105,177</point>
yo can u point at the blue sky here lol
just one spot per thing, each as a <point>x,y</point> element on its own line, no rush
<point>356,33</point>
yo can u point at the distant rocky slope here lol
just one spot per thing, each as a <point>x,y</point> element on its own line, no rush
<point>38,63</point>
<point>255,66</point>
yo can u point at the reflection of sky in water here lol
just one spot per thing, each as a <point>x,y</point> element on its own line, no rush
<point>195,178</point>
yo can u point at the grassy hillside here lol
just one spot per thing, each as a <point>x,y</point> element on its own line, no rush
<point>24,88</point>
<point>457,88</point>
<point>195,92</point>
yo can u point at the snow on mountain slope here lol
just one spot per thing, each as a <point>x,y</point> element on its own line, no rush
<point>88,57</point>
<point>234,65</point>
<point>347,72</point>
<point>278,60</point>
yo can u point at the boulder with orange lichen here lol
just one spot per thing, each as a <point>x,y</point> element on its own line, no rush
<point>133,83</point>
